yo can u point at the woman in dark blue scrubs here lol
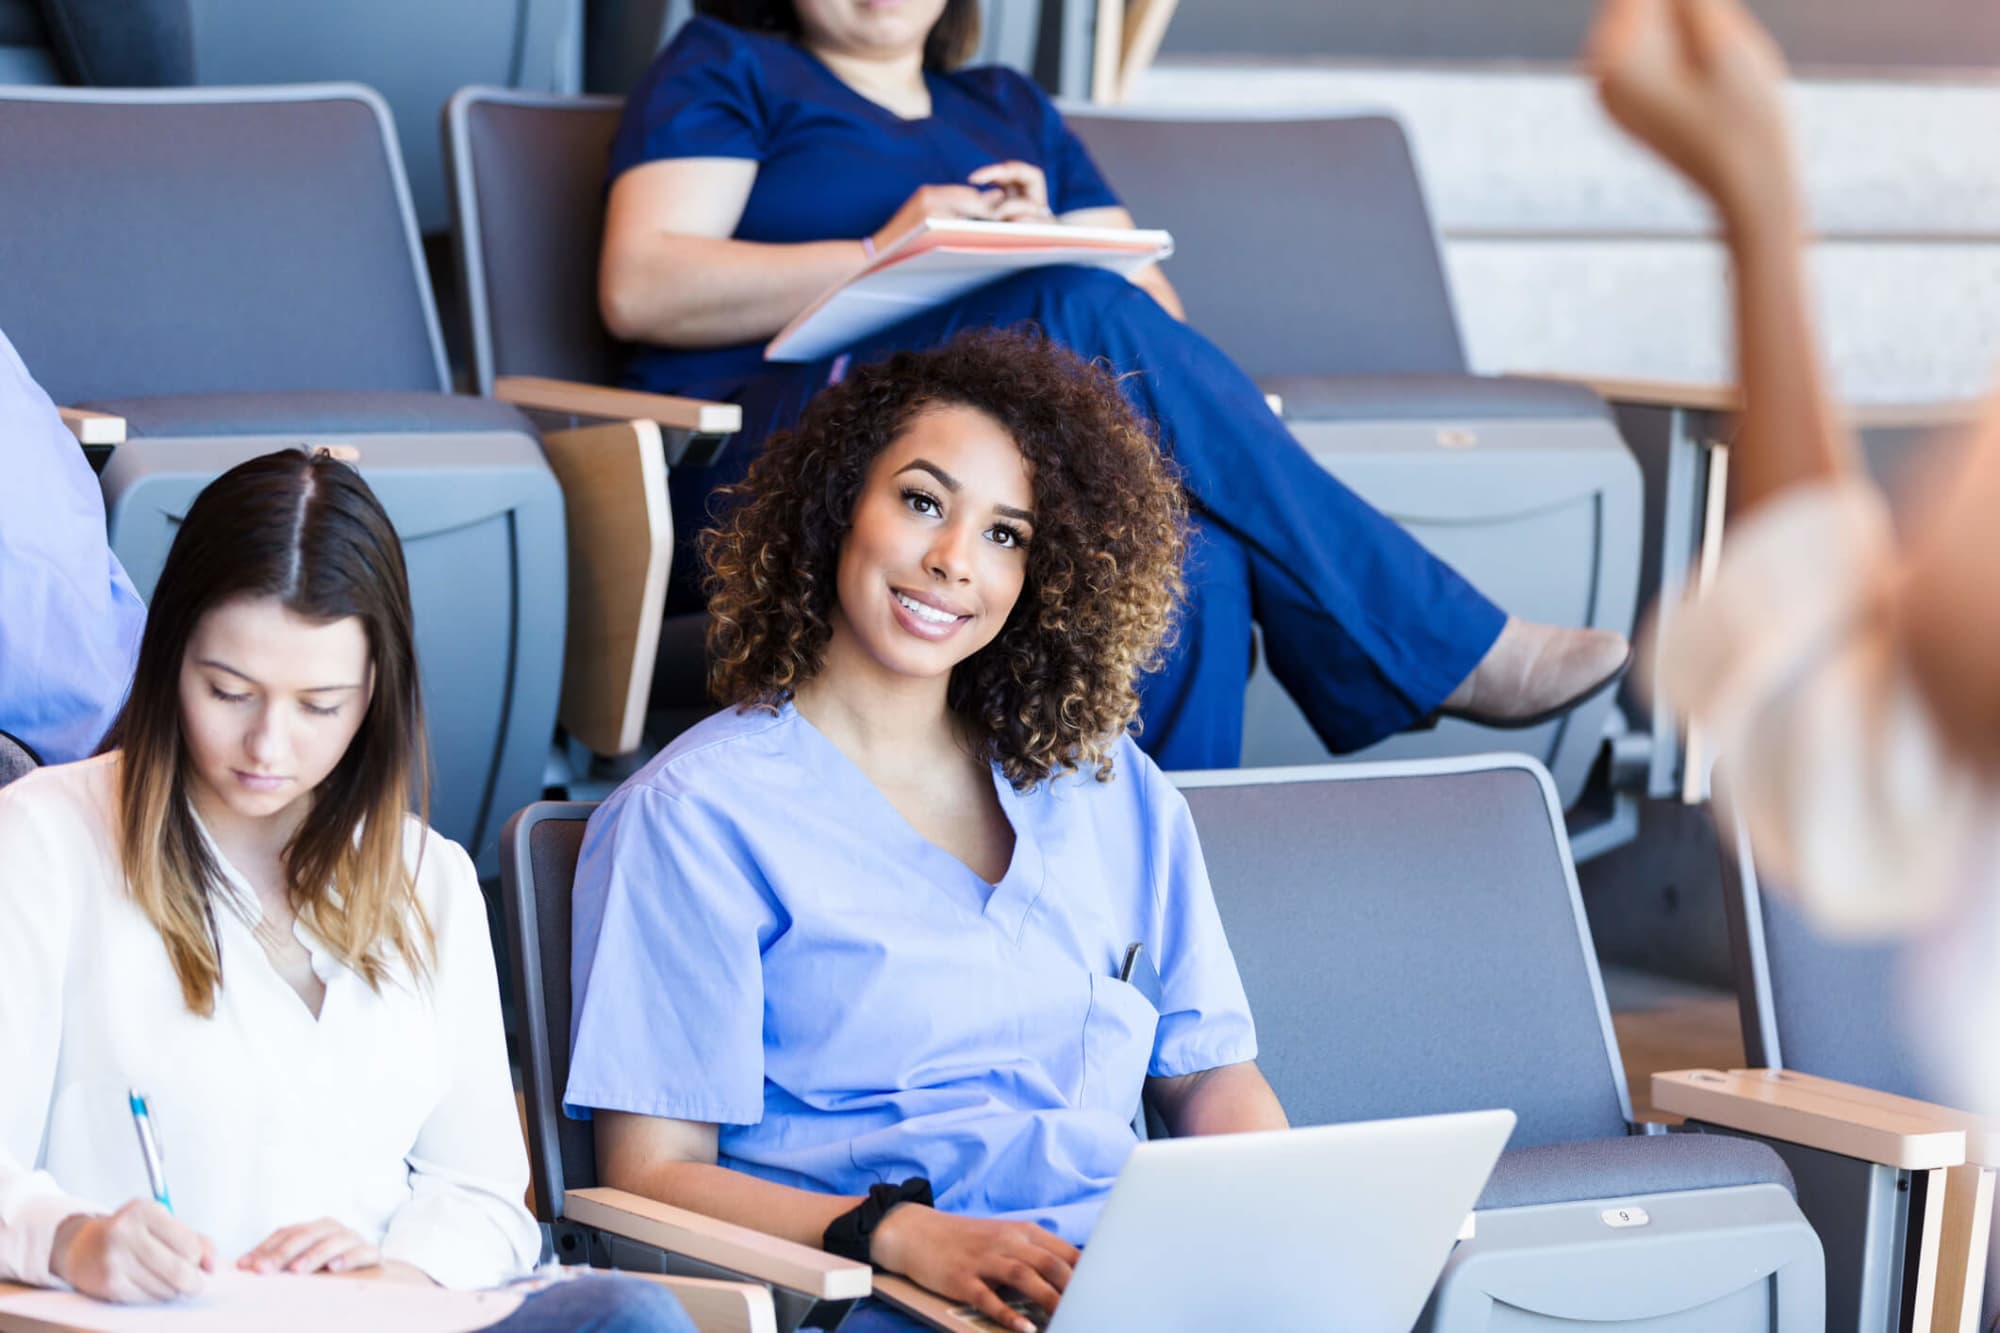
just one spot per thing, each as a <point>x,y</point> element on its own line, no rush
<point>765,158</point>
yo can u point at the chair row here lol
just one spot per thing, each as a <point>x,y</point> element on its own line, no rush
<point>1412,941</point>
<point>222,269</point>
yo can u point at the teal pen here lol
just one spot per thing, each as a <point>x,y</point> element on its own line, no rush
<point>149,1148</point>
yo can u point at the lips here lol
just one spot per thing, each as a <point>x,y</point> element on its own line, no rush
<point>924,617</point>
<point>258,781</point>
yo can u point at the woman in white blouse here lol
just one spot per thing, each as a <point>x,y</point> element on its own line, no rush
<point>231,912</point>
<point>1850,683</point>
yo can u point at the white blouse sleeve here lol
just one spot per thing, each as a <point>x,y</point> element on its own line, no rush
<point>37,884</point>
<point>465,1223</point>
<point>1823,744</point>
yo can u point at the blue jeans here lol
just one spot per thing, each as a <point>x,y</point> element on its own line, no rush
<point>599,1305</point>
<point>873,1316</point>
<point>1364,628</point>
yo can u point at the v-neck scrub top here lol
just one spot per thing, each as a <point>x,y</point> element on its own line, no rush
<point>392,1112</point>
<point>762,942</point>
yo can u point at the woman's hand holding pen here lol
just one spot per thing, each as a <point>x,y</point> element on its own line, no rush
<point>1002,192</point>
<point>138,1254</point>
<point>1024,191</point>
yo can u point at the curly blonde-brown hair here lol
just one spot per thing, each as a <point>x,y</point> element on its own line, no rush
<point>1057,685</point>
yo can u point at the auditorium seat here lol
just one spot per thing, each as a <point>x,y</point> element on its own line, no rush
<point>527,196</point>
<point>1307,252</point>
<point>1412,942</point>
<point>1822,1016</point>
<point>233,271</point>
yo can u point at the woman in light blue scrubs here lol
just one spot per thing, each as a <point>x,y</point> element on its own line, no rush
<point>864,929</point>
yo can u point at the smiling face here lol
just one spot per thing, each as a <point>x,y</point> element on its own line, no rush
<point>269,703</point>
<point>937,552</point>
<point>873,28</point>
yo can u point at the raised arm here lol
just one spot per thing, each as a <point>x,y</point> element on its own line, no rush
<point>1699,82</point>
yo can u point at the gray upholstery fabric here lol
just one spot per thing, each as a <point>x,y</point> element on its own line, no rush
<point>537,167</point>
<point>122,43</point>
<point>1412,945</point>
<point>172,415</point>
<point>1305,250</point>
<point>150,244</point>
<point>1431,397</point>
<point>1620,1168</point>
<point>1835,1005</point>
<point>414,52</point>
<point>16,759</point>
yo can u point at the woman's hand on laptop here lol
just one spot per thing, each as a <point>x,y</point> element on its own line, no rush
<point>969,1259</point>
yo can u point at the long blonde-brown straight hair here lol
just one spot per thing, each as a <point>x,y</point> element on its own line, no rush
<point>303,528</point>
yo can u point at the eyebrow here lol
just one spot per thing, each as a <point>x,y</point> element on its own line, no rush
<point>311,689</point>
<point>954,485</point>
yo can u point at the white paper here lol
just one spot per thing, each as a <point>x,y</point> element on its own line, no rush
<point>900,287</point>
<point>237,1302</point>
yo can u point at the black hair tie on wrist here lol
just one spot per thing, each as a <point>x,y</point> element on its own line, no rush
<point>853,1233</point>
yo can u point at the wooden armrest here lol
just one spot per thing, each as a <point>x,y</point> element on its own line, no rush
<point>1815,1113</point>
<point>1690,394</point>
<point>93,427</point>
<point>752,1253</point>
<point>594,400</point>
<point>1982,1135</point>
<point>719,1307</point>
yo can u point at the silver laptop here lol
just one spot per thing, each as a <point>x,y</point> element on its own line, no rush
<point>1333,1227</point>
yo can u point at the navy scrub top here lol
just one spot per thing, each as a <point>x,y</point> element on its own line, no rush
<point>832,165</point>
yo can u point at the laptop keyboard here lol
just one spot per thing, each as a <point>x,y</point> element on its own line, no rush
<point>1034,1314</point>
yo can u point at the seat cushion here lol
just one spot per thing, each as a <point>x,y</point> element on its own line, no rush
<point>1431,397</point>
<point>318,412</point>
<point>1619,1168</point>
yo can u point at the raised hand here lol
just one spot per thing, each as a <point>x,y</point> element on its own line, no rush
<point>968,1259</point>
<point>1700,83</point>
<point>139,1254</point>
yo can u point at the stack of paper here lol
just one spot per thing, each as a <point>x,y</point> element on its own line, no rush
<point>944,259</point>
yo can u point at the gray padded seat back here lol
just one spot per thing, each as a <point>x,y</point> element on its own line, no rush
<point>539,848</point>
<point>1834,1003</point>
<point>1812,1003</point>
<point>210,242</point>
<point>1412,941</point>
<point>414,51</point>
<point>527,193</point>
<point>1302,247</point>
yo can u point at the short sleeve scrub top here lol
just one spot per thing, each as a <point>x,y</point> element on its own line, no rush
<point>763,943</point>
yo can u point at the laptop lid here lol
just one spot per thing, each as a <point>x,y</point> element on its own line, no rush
<point>1285,1230</point>
<point>1341,1226</point>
